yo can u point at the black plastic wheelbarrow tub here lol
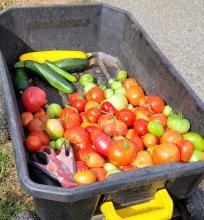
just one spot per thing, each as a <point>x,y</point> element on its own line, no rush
<point>96,27</point>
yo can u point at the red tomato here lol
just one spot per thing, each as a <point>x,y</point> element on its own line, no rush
<point>150,140</point>
<point>43,118</point>
<point>127,168</point>
<point>39,113</point>
<point>134,94</point>
<point>26,117</point>
<point>95,94</point>
<point>156,103</point>
<point>33,99</point>
<point>84,177</point>
<point>138,143</point>
<point>126,116</point>
<point>33,143</point>
<point>35,125</point>
<point>65,113</point>
<point>140,127</point>
<point>186,149</point>
<point>79,153</point>
<point>160,118</point>
<point>43,136</point>
<point>91,104</point>
<point>111,126</point>
<point>143,159</point>
<point>93,160</point>
<point>90,128</point>
<point>93,114</point>
<point>165,153</point>
<point>122,152</point>
<point>142,101</point>
<point>83,116</point>
<point>100,173</point>
<point>78,136</point>
<point>81,166</point>
<point>171,136</point>
<point>143,113</point>
<point>108,108</point>
<point>130,82</point>
<point>73,97</point>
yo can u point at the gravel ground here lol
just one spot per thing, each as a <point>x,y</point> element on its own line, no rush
<point>177,28</point>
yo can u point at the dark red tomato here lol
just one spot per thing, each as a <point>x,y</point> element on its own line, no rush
<point>42,135</point>
<point>186,150</point>
<point>33,143</point>
<point>108,107</point>
<point>140,127</point>
<point>39,113</point>
<point>138,143</point>
<point>156,103</point>
<point>126,116</point>
<point>93,114</point>
<point>95,94</point>
<point>43,118</point>
<point>35,125</point>
<point>81,166</point>
<point>84,117</point>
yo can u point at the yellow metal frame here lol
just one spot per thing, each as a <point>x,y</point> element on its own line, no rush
<point>160,208</point>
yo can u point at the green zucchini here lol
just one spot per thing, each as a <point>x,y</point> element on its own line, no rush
<point>47,74</point>
<point>61,72</point>
<point>72,65</point>
<point>21,80</point>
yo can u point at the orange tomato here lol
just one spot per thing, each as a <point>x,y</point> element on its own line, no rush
<point>160,118</point>
<point>91,104</point>
<point>26,117</point>
<point>95,94</point>
<point>143,159</point>
<point>150,140</point>
<point>134,94</point>
<point>143,113</point>
<point>171,136</point>
<point>165,153</point>
<point>84,177</point>
<point>130,82</point>
<point>130,133</point>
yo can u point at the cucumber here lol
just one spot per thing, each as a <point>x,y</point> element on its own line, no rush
<point>21,80</point>
<point>72,65</point>
<point>47,74</point>
<point>61,72</point>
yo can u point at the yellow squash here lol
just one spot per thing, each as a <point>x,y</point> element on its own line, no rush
<point>52,55</point>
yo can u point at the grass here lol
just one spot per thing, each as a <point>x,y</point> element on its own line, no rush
<point>12,199</point>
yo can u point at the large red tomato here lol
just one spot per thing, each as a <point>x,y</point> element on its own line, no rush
<point>165,153</point>
<point>122,152</point>
<point>140,127</point>
<point>78,137</point>
<point>126,116</point>
<point>95,94</point>
<point>156,103</point>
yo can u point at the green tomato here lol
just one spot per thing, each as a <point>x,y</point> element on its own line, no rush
<point>112,172</point>
<point>178,123</point>
<point>122,75</point>
<point>109,166</point>
<point>115,85</point>
<point>195,139</point>
<point>54,110</point>
<point>118,101</point>
<point>120,91</point>
<point>155,128</point>
<point>54,128</point>
<point>60,142</point>
<point>108,93</point>
<point>102,86</point>
<point>52,144</point>
<point>85,78</point>
<point>196,156</point>
<point>110,81</point>
<point>88,86</point>
<point>167,110</point>
<point>130,106</point>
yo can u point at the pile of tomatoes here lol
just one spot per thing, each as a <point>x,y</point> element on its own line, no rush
<point>110,137</point>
